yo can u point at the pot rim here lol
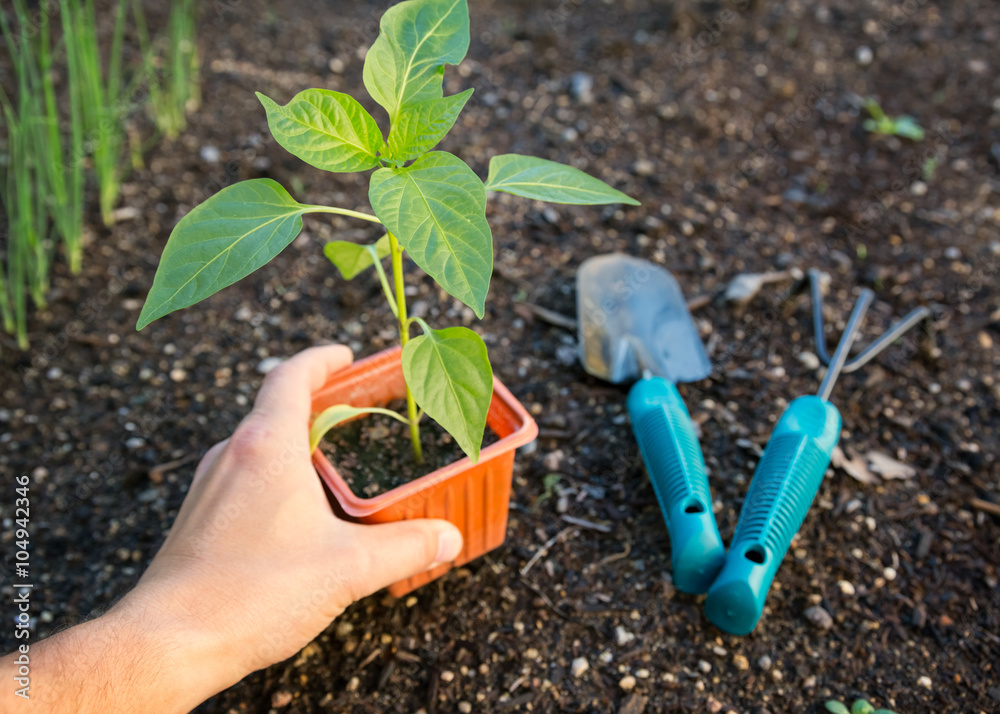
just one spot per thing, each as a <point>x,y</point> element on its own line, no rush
<point>357,507</point>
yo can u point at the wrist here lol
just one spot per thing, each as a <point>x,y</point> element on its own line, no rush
<point>183,663</point>
<point>132,658</point>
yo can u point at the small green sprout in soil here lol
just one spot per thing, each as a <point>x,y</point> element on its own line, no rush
<point>860,706</point>
<point>929,168</point>
<point>884,125</point>
<point>549,482</point>
<point>431,204</point>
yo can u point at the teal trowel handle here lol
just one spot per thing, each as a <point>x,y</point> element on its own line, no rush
<point>782,489</point>
<point>673,459</point>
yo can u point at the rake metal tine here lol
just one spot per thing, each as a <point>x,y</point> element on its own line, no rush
<point>912,318</point>
<point>844,346</point>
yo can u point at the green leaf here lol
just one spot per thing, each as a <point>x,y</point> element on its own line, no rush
<point>338,414</point>
<point>406,62</point>
<point>861,706</point>
<point>326,129</point>
<point>449,375</point>
<point>907,126</point>
<point>352,258</point>
<point>436,208</point>
<point>221,241</point>
<point>544,180</point>
<point>883,711</point>
<point>836,707</point>
<point>419,127</point>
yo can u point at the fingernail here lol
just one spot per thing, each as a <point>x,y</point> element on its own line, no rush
<point>449,545</point>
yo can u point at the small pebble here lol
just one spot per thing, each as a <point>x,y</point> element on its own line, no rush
<point>764,663</point>
<point>581,86</point>
<point>819,617</point>
<point>579,666</point>
<point>464,707</point>
<point>643,167</point>
<point>925,682</point>
<point>809,360</point>
<point>606,657</point>
<point>623,636</point>
<point>918,188</point>
<point>353,684</point>
<point>627,683</point>
<point>447,676</point>
<point>281,698</point>
<point>864,55</point>
<point>845,587</point>
<point>567,355</point>
<point>553,460</point>
<point>54,373</point>
<point>714,705</point>
<point>178,375</point>
<point>720,651</point>
<point>531,653</point>
<point>210,154</point>
<point>642,673</point>
<point>344,629</point>
<point>704,666</point>
<point>741,662</point>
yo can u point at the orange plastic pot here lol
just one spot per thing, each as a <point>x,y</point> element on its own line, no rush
<point>475,497</point>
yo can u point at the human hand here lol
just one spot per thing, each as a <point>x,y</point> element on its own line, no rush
<point>256,564</point>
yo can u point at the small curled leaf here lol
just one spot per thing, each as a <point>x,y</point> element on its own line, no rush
<point>353,259</point>
<point>338,414</point>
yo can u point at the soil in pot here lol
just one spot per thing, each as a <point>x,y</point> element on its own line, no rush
<point>374,455</point>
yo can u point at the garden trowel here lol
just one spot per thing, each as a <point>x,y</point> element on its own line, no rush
<point>635,325</point>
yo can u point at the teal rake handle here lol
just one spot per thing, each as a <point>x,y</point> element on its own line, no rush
<point>676,468</point>
<point>783,487</point>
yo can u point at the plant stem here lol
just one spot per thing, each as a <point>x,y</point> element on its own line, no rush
<point>344,212</point>
<point>404,337</point>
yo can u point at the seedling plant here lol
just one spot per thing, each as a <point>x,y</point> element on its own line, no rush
<point>49,134</point>
<point>35,184</point>
<point>172,68</point>
<point>431,204</point>
<point>860,706</point>
<point>101,94</point>
<point>880,123</point>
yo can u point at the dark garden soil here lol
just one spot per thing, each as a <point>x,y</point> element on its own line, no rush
<point>375,454</point>
<point>738,127</point>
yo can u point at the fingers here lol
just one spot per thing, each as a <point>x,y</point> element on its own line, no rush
<point>395,551</point>
<point>208,461</point>
<point>287,390</point>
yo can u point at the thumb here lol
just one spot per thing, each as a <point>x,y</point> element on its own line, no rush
<point>396,551</point>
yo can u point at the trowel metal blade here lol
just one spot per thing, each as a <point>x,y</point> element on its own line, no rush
<point>633,317</point>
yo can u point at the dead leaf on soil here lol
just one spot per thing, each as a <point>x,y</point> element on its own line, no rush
<point>855,467</point>
<point>888,467</point>
<point>742,289</point>
<point>635,704</point>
